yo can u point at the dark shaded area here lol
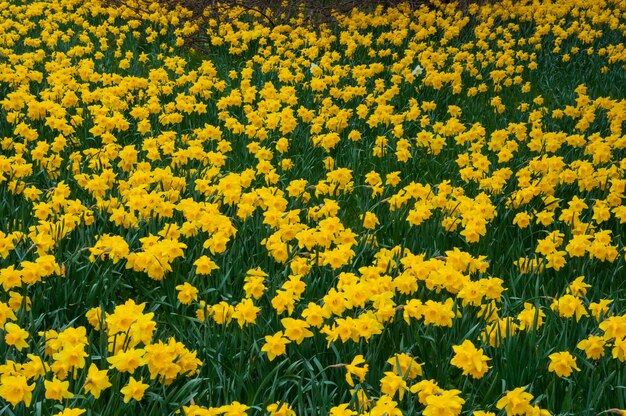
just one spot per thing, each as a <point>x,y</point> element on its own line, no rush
<point>278,12</point>
<point>314,13</point>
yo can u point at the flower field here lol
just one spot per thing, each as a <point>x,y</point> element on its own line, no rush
<point>410,211</point>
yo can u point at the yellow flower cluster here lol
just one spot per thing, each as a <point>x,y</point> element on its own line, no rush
<point>403,195</point>
<point>66,355</point>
